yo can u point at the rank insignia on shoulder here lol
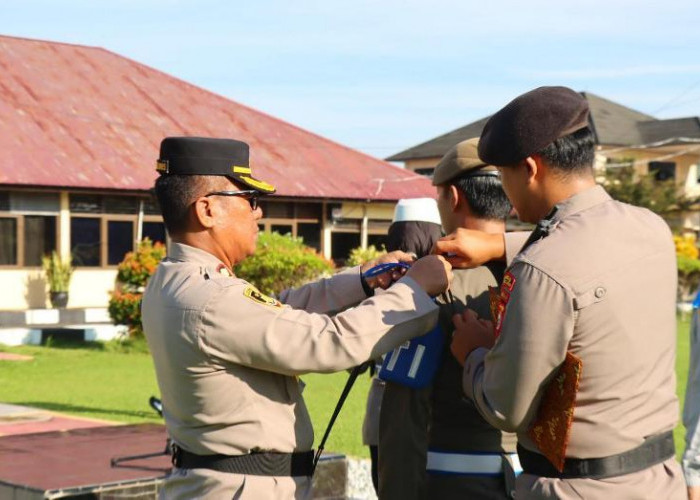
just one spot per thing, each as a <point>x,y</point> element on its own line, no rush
<point>223,270</point>
<point>256,296</point>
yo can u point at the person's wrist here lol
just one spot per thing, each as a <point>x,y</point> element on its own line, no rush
<point>369,291</point>
<point>498,246</point>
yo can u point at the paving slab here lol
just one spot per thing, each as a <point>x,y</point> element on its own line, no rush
<point>80,460</point>
<point>17,419</point>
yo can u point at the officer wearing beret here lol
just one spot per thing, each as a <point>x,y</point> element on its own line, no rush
<point>227,357</point>
<point>587,318</point>
<point>433,442</point>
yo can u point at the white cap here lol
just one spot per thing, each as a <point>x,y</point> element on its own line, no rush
<point>417,209</point>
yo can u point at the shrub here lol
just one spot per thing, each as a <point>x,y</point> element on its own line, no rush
<point>132,275</point>
<point>359,256</point>
<point>125,309</point>
<point>282,261</point>
<point>686,246</point>
<point>133,272</point>
<point>688,277</point>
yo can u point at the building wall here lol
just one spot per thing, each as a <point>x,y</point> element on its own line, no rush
<point>686,163</point>
<point>26,289</point>
<point>421,163</point>
<point>97,229</point>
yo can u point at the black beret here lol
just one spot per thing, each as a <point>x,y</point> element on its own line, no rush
<point>530,122</point>
<point>207,156</point>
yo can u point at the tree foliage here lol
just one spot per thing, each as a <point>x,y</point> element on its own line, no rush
<point>624,184</point>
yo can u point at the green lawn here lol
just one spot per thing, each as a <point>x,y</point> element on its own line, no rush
<point>682,362</point>
<point>114,383</point>
<point>111,383</point>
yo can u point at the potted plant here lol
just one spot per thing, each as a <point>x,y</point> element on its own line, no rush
<point>58,273</point>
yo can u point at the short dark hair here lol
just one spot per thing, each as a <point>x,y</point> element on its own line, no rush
<point>485,196</point>
<point>573,153</point>
<point>175,194</point>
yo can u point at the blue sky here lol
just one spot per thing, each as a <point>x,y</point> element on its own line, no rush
<point>381,76</point>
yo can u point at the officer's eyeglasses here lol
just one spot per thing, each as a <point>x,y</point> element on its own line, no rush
<point>249,194</point>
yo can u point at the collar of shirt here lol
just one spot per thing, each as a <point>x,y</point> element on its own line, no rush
<point>581,201</point>
<point>185,253</point>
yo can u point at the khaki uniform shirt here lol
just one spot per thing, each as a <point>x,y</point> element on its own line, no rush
<point>603,285</point>
<point>227,357</point>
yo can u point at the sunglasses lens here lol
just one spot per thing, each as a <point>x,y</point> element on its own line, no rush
<point>253,200</point>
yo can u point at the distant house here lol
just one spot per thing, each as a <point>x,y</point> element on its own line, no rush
<point>667,148</point>
<point>80,129</point>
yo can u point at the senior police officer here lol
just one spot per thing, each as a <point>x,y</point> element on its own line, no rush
<point>583,365</point>
<point>227,357</point>
<point>462,455</point>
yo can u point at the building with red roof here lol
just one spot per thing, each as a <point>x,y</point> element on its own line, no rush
<point>80,129</point>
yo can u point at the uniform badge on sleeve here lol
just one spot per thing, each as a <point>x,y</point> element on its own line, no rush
<point>256,296</point>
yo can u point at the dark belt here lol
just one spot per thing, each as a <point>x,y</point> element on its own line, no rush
<point>253,464</point>
<point>654,450</point>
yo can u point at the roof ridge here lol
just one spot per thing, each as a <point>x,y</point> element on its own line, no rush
<point>55,42</point>
<point>586,94</point>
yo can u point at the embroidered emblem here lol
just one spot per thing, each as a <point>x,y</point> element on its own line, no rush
<point>551,428</point>
<point>256,296</point>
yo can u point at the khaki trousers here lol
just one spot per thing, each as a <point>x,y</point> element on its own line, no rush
<point>190,484</point>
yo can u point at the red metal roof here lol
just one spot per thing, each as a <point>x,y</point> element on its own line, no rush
<point>83,117</point>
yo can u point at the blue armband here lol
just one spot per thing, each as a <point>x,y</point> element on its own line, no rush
<point>415,362</point>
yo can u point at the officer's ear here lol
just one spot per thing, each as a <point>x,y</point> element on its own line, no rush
<point>533,167</point>
<point>203,211</point>
<point>454,197</point>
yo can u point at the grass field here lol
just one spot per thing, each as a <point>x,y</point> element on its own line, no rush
<point>112,382</point>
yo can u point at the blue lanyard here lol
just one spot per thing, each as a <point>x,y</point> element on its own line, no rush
<point>383,268</point>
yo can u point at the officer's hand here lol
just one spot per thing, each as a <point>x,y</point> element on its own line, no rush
<point>386,279</point>
<point>433,273</point>
<point>470,248</point>
<point>470,333</point>
<point>693,492</point>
